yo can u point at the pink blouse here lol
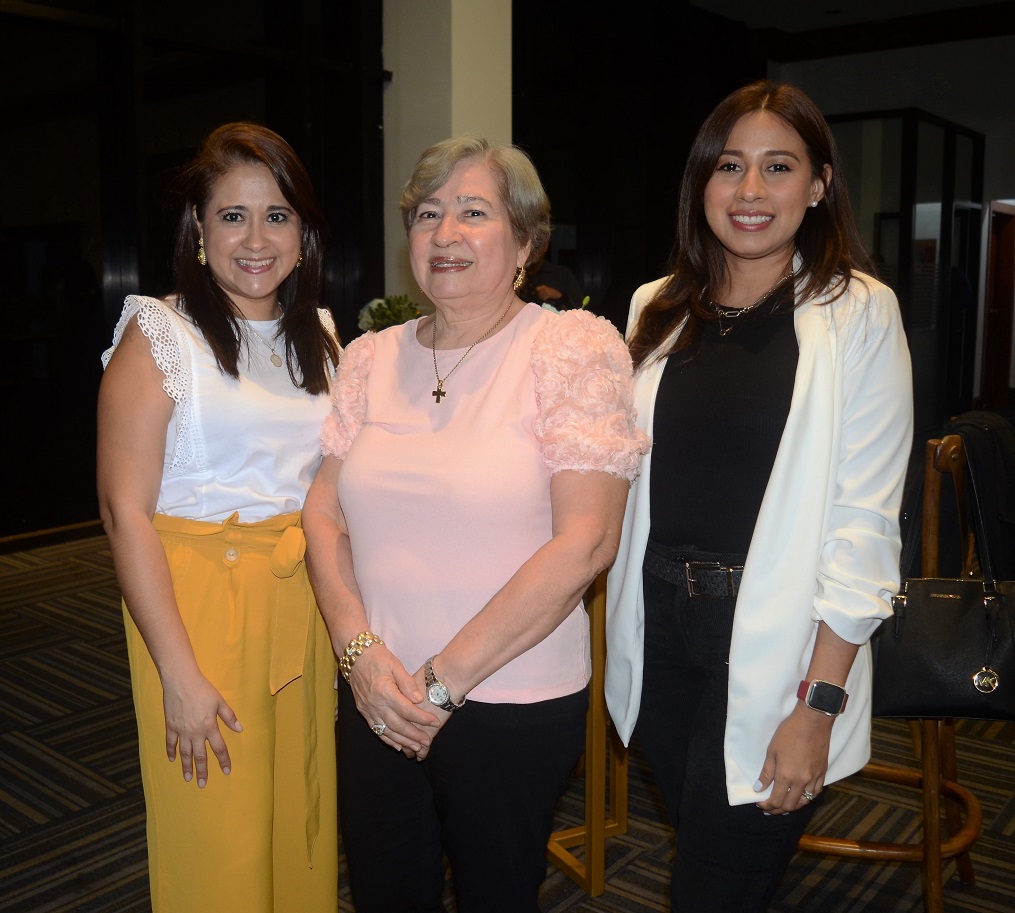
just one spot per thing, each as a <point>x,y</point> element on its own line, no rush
<point>445,501</point>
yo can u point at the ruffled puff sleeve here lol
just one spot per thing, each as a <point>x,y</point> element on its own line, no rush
<point>348,397</point>
<point>584,391</point>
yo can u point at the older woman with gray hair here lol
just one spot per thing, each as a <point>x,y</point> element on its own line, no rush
<point>477,463</point>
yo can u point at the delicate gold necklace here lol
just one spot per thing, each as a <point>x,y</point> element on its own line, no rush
<point>733,313</point>
<point>440,392</point>
<point>276,359</point>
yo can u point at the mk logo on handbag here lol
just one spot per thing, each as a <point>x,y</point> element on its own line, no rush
<point>985,681</point>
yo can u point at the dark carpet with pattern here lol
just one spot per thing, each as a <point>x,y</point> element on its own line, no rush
<point>72,813</point>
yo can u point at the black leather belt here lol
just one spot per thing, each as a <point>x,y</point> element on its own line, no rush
<point>703,579</point>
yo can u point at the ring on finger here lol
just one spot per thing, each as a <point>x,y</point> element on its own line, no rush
<point>379,728</point>
<point>808,795</point>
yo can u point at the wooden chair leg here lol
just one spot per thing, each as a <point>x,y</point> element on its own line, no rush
<point>933,891</point>
<point>601,742</point>
<point>914,731</point>
<point>618,785</point>
<point>934,847</point>
<point>953,809</point>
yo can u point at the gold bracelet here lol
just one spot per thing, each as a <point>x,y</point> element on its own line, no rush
<point>355,649</point>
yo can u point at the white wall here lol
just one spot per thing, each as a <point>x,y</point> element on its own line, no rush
<point>451,66</point>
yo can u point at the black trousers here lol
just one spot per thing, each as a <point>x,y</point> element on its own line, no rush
<point>484,797</point>
<point>728,858</point>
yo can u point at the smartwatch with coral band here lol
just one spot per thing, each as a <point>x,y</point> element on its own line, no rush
<point>823,696</point>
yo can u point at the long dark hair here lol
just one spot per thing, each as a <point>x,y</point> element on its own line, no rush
<point>828,239</point>
<point>308,348</point>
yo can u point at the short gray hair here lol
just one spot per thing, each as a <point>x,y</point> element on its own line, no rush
<point>518,181</point>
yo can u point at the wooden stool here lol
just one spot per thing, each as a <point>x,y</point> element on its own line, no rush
<point>590,875</point>
<point>934,739</point>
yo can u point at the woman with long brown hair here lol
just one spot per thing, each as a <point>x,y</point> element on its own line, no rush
<point>210,410</point>
<point>761,541</point>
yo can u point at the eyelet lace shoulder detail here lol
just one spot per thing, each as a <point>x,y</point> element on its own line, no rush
<point>584,393</point>
<point>161,324</point>
<point>348,397</point>
<point>328,322</point>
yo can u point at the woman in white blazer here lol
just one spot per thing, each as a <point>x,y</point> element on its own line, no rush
<point>761,542</point>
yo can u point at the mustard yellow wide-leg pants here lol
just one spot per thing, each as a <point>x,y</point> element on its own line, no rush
<point>263,839</point>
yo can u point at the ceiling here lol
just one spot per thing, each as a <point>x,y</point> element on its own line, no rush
<point>810,15</point>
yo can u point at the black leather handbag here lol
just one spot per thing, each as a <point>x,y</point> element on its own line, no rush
<point>948,651</point>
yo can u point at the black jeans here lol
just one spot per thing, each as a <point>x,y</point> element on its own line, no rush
<point>728,858</point>
<point>485,796</point>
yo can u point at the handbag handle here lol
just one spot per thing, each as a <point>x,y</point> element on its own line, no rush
<point>980,531</point>
<point>912,543</point>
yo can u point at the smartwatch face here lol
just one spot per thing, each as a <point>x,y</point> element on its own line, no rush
<point>826,698</point>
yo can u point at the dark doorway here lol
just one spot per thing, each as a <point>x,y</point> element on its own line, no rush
<point>995,375</point>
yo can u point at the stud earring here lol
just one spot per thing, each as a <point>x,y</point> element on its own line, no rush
<point>519,278</point>
<point>202,257</point>
<point>814,204</point>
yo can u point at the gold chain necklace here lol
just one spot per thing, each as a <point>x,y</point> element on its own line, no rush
<point>276,359</point>
<point>440,392</point>
<point>733,313</point>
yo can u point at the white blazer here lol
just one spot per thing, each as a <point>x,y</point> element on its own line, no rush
<point>826,544</point>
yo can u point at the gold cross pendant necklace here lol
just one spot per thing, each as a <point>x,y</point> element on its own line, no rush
<point>440,392</point>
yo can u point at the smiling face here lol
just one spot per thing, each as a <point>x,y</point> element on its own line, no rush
<point>461,244</point>
<point>760,190</point>
<point>251,239</point>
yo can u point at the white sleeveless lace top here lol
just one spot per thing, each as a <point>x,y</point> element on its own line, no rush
<point>250,444</point>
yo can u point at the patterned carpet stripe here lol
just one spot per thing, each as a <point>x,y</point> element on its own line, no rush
<point>21,634</point>
<point>46,583</point>
<point>74,675</point>
<point>97,862</point>
<point>72,814</point>
<point>21,704</point>
<point>43,685</point>
<point>85,615</point>
<point>13,564</point>
<point>53,785</point>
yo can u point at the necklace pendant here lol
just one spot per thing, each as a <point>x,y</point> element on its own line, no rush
<point>276,359</point>
<point>438,393</point>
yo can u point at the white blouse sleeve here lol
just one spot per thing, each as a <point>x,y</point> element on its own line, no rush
<point>161,325</point>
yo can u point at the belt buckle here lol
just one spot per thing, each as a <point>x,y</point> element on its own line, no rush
<point>691,566</point>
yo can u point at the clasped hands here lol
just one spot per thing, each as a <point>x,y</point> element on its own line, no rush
<point>394,703</point>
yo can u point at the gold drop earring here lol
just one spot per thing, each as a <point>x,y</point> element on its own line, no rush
<point>202,257</point>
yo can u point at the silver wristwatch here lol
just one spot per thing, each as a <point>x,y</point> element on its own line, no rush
<point>436,691</point>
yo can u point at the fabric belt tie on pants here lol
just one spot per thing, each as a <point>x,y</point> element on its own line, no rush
<point>292,649</point>
<point>290,652</point>
<point>705,575</point>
